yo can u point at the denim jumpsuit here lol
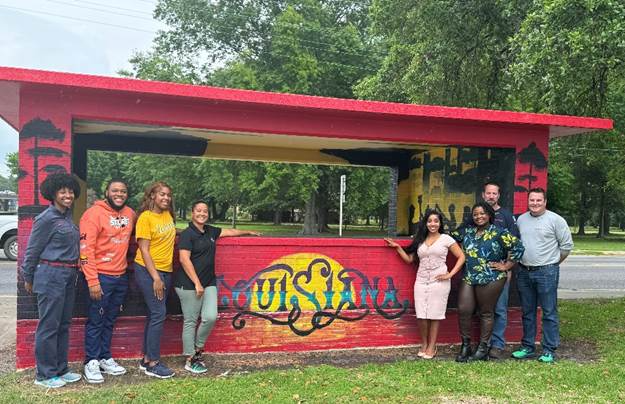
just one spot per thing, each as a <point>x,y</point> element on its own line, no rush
<point>50,265</point>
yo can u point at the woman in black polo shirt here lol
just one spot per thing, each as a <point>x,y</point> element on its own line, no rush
<point>196,286</point>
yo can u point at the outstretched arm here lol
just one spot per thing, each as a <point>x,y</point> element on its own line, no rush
<point>408,258</point>
<point>237,233</point>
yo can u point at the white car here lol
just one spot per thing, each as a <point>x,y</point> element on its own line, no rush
<point>8,235</point>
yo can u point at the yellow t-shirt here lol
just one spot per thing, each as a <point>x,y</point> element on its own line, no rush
<point>160,229</point>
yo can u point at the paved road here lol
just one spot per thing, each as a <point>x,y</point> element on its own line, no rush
<point>592,276</point>
<point>8,300</point>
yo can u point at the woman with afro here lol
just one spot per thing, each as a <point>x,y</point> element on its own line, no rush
<point>50,268</point>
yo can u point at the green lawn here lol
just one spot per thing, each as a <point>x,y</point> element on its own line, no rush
<point>599,322</point>
<point>590,244</point>
<point>293,229</point>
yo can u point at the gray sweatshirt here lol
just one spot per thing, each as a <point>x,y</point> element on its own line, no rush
<point>544,237</point>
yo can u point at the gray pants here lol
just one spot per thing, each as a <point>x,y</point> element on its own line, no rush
<point>204,308</point>
<point>55,288</point>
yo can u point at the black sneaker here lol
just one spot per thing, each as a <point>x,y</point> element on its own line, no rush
<point>143,364</point>
<point>198,357</point>
<point>159,370</point>
<point>496,353</point>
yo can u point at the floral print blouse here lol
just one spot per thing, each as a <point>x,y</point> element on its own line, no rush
<point>494,244</point>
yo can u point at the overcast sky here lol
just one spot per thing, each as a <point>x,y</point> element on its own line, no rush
<point>79,36</point>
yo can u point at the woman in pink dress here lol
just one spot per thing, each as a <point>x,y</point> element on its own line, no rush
<point>429,248</point>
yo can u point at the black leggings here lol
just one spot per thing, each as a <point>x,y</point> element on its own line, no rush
<point>485,297</point>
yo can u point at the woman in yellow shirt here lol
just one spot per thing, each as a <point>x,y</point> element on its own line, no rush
<point>155,233</point>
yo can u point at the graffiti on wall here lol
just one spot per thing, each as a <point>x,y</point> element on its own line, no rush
<point>39,138</point>
<point>450,179</point>
<point>532,159</point>
<point>307,292</point>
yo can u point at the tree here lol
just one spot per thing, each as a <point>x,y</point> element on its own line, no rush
<point>449,52</point>
<point>224,182</point>
<point>569,59</point>
<point>14,171</point>
<point>279,186</point>
<point>300,46</point>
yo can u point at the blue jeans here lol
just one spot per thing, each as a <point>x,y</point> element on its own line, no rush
<point>102,315</point>
<point>156,310</point>
<point>540,287</point>
<point>55,288</point>
<point>498,339</point>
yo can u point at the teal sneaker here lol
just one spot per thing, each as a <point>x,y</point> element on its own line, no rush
<point>195,366</point>
<point>524,353</point>
<point>51,383</point>
<point>547,357</point>
<point>71,377</point>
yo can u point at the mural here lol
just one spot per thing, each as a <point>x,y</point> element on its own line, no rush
<point>533,159</point>
<point>42,136</point>
<point>307,292</point>
<point>450,179</point>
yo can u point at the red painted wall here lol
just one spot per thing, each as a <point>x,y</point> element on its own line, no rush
<point>362,271</point>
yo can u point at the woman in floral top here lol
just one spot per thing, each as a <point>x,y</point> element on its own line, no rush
<point>491,252</point>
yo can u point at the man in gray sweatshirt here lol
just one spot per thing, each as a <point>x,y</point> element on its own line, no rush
<point>547,240</point>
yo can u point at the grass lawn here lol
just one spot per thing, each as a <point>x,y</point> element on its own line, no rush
<point>590,244</point>
<point>293,229</point>
<point>599,322</point>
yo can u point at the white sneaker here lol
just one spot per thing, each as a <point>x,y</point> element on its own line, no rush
<point>110,367</point>
<point>92,372</point>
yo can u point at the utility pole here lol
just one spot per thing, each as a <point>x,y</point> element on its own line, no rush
<point>342,200</point>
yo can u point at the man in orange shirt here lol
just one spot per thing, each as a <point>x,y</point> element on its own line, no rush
<point>105,230</point>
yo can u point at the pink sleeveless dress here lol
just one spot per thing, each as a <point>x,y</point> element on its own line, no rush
<point>430,295</point>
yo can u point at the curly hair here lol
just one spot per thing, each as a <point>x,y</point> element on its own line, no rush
<point>421,232</point>
<point>57,181</point>
<point>487,209</point>
<point>147,202</point>
<point>118,180</point>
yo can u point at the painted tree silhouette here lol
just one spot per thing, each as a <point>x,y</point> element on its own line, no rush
<point>536,159</point>
<point>54,168</point>
<point>41,129</point>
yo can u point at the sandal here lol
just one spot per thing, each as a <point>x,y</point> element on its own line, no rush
<point>426,356</point>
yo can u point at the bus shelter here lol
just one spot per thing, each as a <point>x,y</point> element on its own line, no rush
<point>279,294</point>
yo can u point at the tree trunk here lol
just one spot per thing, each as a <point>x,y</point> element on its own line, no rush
<point>234,216</point>
<point>601,232</point>
<point>221,212</point>
<point>277,217</point>
<point>583,199</point>
<point>322,219</point>
<point>310,216</point>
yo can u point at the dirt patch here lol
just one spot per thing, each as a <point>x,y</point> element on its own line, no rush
<point>221,365</point>
<point>7,358</point>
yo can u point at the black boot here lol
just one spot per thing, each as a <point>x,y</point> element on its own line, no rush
<point>465,350</point>
<point>481,353</point>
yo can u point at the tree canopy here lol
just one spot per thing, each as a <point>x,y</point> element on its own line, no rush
<point>551,56</point>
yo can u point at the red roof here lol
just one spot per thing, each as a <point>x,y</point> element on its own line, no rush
<point>11,79</point>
